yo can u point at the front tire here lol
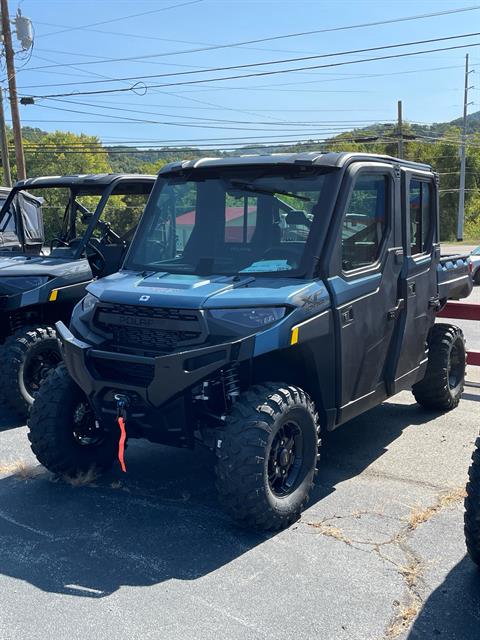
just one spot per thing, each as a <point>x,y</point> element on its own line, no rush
<point>63,433</point>
<point>444,380</point>
<point>26,359</point>
<point>472,507</point>
<point>267,456</point>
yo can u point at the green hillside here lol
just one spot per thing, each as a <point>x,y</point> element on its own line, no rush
<point>66,153</point>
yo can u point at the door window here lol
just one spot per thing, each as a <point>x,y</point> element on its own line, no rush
<point>365,223</point>
<point>421,211</point>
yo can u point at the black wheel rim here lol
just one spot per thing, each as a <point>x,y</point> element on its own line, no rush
<point>285,459</point>
<point>37,368</point>
<point>455,367</point>
<point>86,430</point>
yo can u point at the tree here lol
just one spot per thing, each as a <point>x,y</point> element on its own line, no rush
<point>62,153</point>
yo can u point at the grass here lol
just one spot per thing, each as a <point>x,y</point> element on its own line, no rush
<point>419,515</point>
<point>404,618</point>
<point>411,572</point>
<point>330,531</point>
<point>82,479</point>
<point>20,469</point>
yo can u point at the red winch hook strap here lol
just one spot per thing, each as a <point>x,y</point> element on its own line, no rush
<point>121,443</point>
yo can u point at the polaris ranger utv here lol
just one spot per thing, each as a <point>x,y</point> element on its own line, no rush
<point>263,300</point>
<point>472,507</point>
<point>37,290</point>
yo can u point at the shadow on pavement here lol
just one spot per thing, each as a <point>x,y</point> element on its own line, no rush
<point>10,420</point>
<point>347,451</point>
<point>161,521</point>
<point>453,610</point>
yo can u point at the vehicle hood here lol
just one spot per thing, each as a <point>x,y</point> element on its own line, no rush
<point>41,266</point>
<point>204,292</point>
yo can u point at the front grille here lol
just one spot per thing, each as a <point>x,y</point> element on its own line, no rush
<point>149,329</point>
<point>135,373</point>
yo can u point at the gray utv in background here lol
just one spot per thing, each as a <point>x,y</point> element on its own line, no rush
<point>39,287</point>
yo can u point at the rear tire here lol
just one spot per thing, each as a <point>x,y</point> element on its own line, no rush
<point>267,456</point>
<point>444,380</point>
<point>472,507</point>
<point>26,359</point>
<point>63,433</point>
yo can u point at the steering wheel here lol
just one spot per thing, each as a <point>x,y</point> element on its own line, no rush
<point>97,261</point>
<point>59,242</point>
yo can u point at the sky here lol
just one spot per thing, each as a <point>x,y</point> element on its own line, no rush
<point>75,41</point>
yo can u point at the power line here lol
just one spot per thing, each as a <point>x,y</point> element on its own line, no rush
<point>226,146</point>
<point>218,120</point>
<point>258,74</point>
<point>301,33</point>
<point>251,65</point>
<point>162,122</point>
<point>135,15</point>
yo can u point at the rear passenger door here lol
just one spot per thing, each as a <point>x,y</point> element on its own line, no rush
<point>419,279</point>
<point>365,287</point>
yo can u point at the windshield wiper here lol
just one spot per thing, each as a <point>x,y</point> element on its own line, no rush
<point>246,186</point>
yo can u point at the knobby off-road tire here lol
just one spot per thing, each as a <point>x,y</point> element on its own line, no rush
<point>267,456</point>
<point>62,430</point>
<point>442,386</point>
<point>472,507</point>
<point>26,358</point>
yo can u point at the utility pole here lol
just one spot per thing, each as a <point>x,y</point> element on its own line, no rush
<point>12,86</point>
<point>400,129</point>
<point>7,177</point>
<point>463,158</point>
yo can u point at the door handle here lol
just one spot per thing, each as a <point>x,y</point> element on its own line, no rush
<point>412,288</point>
<point>395,312</point>
<point>399,255</point>
<point>434,303</point>
<point>347,316</point>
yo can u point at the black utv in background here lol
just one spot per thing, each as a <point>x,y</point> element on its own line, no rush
<point>39,287</point>
<point>264,300</point>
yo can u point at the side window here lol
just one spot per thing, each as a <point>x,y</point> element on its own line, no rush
<point>421,215</point>
<point>365,223</point>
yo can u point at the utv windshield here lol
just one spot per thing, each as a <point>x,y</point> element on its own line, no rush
<point>229,222</point>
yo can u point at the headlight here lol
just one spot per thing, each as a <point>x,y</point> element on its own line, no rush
<point>253,318</point>
<point>16,284</point>
<point>89,302</point>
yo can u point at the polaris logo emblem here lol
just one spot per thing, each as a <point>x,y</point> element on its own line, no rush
<point>144,298</point>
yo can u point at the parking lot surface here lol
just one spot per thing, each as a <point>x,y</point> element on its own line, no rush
<point>379,553</point>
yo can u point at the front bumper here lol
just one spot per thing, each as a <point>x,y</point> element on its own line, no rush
<point>154,381</point>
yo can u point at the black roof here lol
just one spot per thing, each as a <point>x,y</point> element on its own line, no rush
<point>82,181</point>
<point>317,158</point>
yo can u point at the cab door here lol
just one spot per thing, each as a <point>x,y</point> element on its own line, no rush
<point>365,287</point>
<point>419,282</point>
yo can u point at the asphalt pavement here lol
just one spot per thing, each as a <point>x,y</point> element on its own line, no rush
<point>378,555</point>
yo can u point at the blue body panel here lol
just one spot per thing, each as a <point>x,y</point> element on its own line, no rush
<point>304,299</point>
